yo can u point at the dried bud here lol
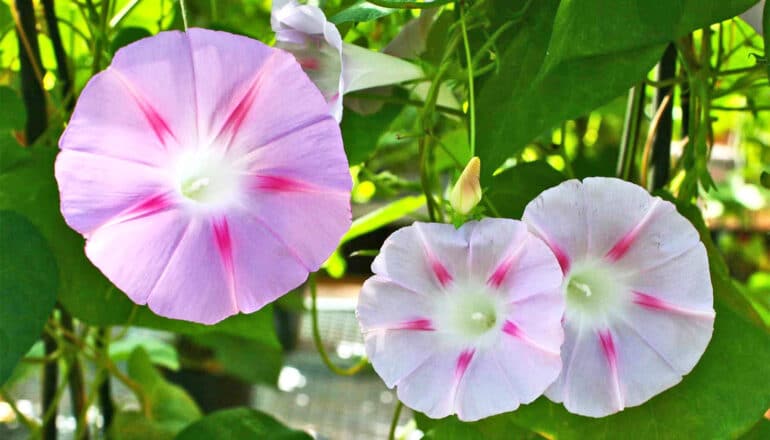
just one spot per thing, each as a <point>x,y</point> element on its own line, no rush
<point>466,193</point>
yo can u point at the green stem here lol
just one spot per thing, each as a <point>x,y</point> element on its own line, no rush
<point>31,426</point>
<point>350,371</point>
<point>471,94</point>
<point>184,14</point>
<point>630,131</point>
<point>394,421</point>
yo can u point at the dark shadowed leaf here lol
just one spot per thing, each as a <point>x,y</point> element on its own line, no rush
<point>28,282</point>
<point>511,190</point>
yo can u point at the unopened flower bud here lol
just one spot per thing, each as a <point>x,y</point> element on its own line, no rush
<point>466,193</point>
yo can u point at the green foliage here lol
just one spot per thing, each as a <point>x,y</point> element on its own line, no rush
<point>161,353</point>
<point>361,11</point>
<point>511,190</point>
<point>570,57</point>
<point>28,285</point>
<point>361,133</point>
<point>168,409</point>
<point>240,423</point>
<point>720,398</point>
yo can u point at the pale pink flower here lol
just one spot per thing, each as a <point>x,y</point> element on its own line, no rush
<point>464,321</point>
<point>206,174</point>
<point>336,67</point>
<point>639,301</point>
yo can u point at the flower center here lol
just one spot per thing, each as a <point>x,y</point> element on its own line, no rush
<point>593,291</point>
<point>469,313</point>
<point>207,178</point>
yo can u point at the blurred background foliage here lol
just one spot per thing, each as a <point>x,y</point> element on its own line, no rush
<point>552,102</point>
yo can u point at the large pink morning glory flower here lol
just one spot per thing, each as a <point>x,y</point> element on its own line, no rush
<point>464,321</point>
<point>639,301</point>
<point>335,66</point>
<point>206,174</point>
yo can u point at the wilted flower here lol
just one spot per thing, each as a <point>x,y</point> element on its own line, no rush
<point>466,193</point>
<point>639,301</point>
<point>334,66</point>
<point>464,321</point>
<point>206,174</point>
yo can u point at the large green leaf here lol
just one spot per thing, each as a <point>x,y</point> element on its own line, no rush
<point>240,423</point>
<point>361,11</point>
<point>570,56</point>
<point>28,281</point>
<point>723,397</point>
<point>361,133</point>
<point>170,410</point>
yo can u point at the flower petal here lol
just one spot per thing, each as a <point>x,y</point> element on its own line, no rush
<point>122,185</point>
<point>266,266</point>
<point>381,306</point>
<point>124,132</point>
<point>432,387</point>
<point>424,257</point>
<point>195,284</point>
<point>558,216</point>
<point>110,248</point>
<point>158,72</point>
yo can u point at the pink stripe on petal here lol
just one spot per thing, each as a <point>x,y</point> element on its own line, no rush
<point>462,363</point>
<point>608,347</point>
<point>423,324</point>
<point>498,276</point>
<point>234,120</point>
<point>280,184</point>
<point>561,257</point>
<point>510,328</point>
<point>624,244</point>
<point>653,303</point>
<point>225,249</point>
<point>442,274</point>
<point>159,125</point>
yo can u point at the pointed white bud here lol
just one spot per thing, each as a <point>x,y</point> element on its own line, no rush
<point>466,193</point>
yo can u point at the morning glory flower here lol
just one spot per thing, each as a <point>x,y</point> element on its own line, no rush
<point>206,174</point>
<point>639,311</point>
<point>334,66</point>
<point>464,321</point>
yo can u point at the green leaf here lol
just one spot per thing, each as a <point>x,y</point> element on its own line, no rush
<point>161,352</point>
<point>171,409</point>
<point>570,57</point>
<point>13,114</point>
<point>361,133</point>
<point>28,282</point>
<point>240,423</point>
<point>361,11</point>
<point>245,358</point>
<point>511,190</point>
<point>383,216</point>
<point>723,397</point>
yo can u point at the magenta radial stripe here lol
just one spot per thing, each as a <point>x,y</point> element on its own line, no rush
<point>442,274</point>
<point>462,363</point>
<point>608,347</point>
<point>422,324</point>
<point>510,328</point>
<point>653,303</point>
<point>236,117</point>
<point>159,125</point>
<point>149,206</point>
<point>498,276</point>
<point>280,184</point>
<point>626,241</point>
<point>224,243</point>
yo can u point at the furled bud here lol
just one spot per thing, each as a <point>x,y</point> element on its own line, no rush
<point>466,193</point>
